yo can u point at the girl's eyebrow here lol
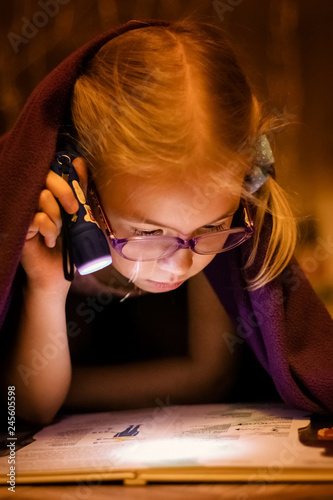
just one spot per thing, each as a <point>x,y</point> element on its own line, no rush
<point>142,220</point>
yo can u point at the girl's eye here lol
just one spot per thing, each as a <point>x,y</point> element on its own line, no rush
<point>141,232</point>
<point>212,229</point>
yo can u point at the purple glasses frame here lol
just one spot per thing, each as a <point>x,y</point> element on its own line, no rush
<point>119,243</point>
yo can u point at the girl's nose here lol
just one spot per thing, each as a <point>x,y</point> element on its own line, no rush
<point>178,263</point>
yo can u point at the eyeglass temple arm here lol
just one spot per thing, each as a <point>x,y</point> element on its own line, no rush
<point>247,215</point>
<point>96,199</point>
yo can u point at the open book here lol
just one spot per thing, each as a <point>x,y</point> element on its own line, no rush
<point>229,442</point>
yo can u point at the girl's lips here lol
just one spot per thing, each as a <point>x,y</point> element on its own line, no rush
<point>165,286</point>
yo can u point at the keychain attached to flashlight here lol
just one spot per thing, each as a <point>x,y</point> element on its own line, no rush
<point>84,244</point>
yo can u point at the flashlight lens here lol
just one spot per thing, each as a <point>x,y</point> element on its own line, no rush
<point>95,265</point>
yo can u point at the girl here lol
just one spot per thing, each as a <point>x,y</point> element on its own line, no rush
<point>173,160</point>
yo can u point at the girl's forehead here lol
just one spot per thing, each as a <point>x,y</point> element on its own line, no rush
<point>184,206</point>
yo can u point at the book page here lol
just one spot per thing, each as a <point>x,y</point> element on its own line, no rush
<point>266,437</point>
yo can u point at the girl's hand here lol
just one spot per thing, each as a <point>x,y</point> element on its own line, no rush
<point>42,256</point>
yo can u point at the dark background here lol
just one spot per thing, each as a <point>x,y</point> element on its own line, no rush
<point>285,45</point>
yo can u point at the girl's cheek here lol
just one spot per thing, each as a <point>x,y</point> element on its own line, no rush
<point>122,265</point>
<point>131,270</point>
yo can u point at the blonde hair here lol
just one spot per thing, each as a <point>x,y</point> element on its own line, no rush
<point>166,101</point>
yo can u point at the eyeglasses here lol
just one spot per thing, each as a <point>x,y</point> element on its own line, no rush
<point>150,248</point>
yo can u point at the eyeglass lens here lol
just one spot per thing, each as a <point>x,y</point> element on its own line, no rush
<point>157,248</point>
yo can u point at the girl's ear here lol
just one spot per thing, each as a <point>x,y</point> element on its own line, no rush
<point>80,166</point>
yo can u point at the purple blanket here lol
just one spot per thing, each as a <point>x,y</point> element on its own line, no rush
<point>285,324</point>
